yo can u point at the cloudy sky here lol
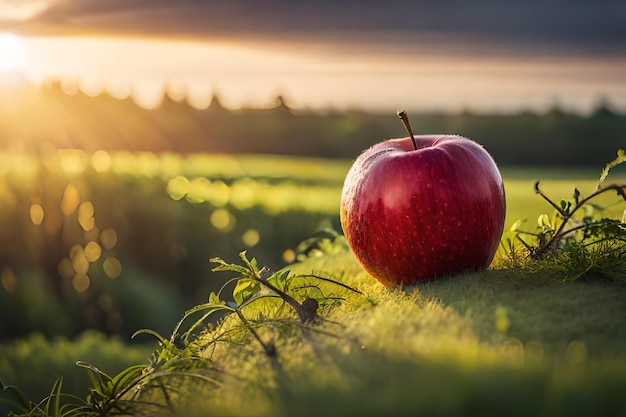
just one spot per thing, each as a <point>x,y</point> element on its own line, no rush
<point>448,54</point>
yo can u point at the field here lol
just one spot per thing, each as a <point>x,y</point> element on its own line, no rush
<point>507,341</point>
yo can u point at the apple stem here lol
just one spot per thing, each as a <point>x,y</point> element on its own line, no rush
<point>405,119</point>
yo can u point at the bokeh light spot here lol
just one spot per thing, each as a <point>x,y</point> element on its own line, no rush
<point>73,161</point>
<point>199,190</point>
<point>244,194</point>
<point>93,251</point>
<point>250,237</point>
<point>222,219</point>
<point>70,200</point>
<point>85,216</point>
<point>108,238</point>
<point>9,280</point>
<point>178,187</point>
<point>81,282</point>
<point>289,256</point>
<point>101,161</point>
<point>79,259</point>
<point>65,268</point>
<point>112,267</point>
<point>36,214</point>
<point>219,193</point>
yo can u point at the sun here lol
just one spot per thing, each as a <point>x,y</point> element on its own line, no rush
<point>13,52</point>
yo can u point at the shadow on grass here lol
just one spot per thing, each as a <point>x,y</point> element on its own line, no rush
<point>538,307</point>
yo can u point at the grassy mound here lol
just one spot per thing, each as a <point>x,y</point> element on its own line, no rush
<point>484,343</point>
<point>489,343</point>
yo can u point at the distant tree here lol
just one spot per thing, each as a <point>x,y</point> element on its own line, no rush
<point>556,110</point>
<point>280,103</point>
<point>604,108</point>
<point>216,103</point>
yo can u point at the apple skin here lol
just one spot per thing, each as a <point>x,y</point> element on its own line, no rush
<point>417,214</point>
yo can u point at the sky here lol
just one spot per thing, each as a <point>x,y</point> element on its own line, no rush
<point>445,55</point>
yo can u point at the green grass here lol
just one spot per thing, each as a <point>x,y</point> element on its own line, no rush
<point>34,363</point>
<point>523,204</point>
<point>491,343</point>
<point>487,343</point>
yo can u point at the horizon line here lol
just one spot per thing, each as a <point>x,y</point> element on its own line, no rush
<point>168,92</point>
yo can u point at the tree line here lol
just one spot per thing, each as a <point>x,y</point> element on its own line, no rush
<point>49,117</point>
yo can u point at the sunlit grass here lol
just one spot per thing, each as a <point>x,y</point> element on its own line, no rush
<point>486,343</point>
<point>497,342</point>
<point>523,204</point>
<point>483,343</point>
<point>274,182</point>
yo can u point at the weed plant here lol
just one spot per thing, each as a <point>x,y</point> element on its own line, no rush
<point>576,240</point>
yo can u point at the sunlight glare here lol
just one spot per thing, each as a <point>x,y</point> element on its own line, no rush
<point>312,77</point>
<point>13,52</point>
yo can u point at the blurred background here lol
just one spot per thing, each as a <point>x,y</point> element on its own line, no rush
<point>139,138</point>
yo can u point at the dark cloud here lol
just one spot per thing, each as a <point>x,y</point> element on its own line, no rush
<point>582,26</point>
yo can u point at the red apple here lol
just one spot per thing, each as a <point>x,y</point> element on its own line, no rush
<point>423,207</point>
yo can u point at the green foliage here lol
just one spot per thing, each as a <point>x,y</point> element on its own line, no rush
<point>254,284</point>
<point>325,242</point>
<point>621,157</point>
<point>52,405</point>
<point>34,364</point>
<point>487,343</point>
<point>576,239</point>
<point>183,355</point>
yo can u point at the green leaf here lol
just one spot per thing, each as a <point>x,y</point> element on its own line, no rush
<point>280,279</point>
<point>95,371</point>
<point>606,228</point>
<point>150,332</point>
<point>245,289</point>
<point>251,264</point>
<point>224,266</point>
<point>515,226</point>
<point>544,221</point>
<point>215,299</point>
<point>566,205</point>
<point>200,322</point>
<point>326,241</point>
<point>330,280</point>
<point>211,307</point>
<point>22,401</point>
<point>126,378</point>
<point>621,157</point>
